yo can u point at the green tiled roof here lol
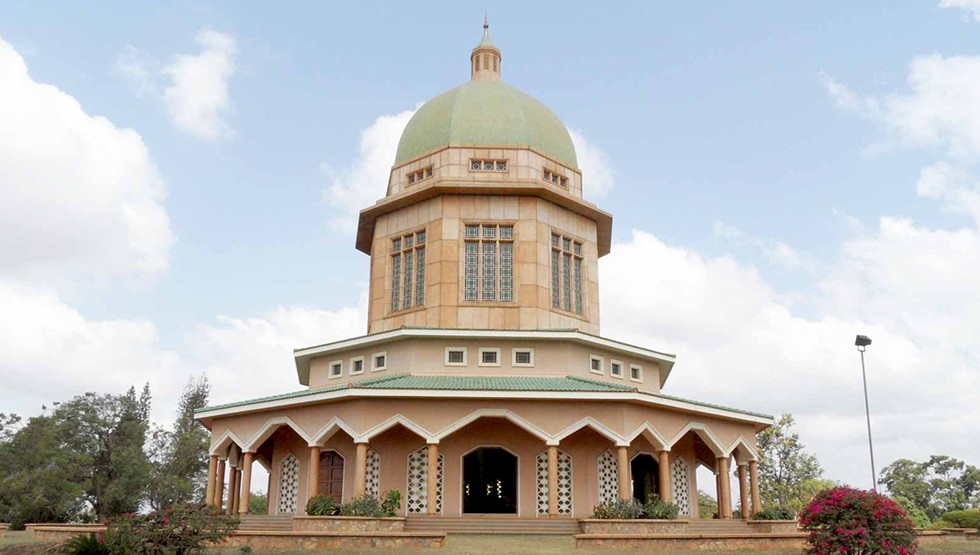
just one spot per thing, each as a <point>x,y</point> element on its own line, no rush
<point>476,383</point>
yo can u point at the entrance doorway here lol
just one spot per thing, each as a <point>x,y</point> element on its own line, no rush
<point>645,471</point>
<point>490,481</point>
<point>331,475</point>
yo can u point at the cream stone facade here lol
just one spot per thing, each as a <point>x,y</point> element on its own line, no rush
<point>483,385</point>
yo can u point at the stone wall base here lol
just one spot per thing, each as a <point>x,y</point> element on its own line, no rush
<point>348,524</point>
<point>309,541</point>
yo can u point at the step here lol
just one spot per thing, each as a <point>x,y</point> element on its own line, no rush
<point>483,525</point>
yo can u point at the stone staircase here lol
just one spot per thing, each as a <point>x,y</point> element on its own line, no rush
<point>710,527</point>
<point>267,523</point>
<point>493,525</point>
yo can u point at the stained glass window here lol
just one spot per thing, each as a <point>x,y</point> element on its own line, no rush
<point>408,271</point>
<point>488,263</point>
<point>470,269</point>
<point>566,274</point>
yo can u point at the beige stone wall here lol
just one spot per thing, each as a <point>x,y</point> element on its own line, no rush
<point>424,356</point>
<point>443,218</point>
<point>453,164</point>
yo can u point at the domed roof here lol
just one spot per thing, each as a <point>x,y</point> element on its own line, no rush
<point>486,113</point>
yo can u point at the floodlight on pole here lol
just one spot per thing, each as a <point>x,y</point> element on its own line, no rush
<point>862,342</point>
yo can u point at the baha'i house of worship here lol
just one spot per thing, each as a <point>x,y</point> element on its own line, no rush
<point>483,385</point>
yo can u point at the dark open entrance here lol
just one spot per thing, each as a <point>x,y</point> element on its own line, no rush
<point>490,481</point>
<point>646,484</point>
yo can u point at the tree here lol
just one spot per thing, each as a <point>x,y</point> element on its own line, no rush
<point>707,506</point>
<point>935,486</point>
<point>39,480</point>
<point>108,433</point>
<point>179,457</point>
<point>9,424</point>
<point>785,468</point>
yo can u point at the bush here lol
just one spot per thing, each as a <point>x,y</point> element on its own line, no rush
<point>322,505</point>
<point>86,544</point>
<point>969,518</point>
<point>627,509</point>
<point>846,520</point>
<point>656,508</point>
<point>392,502</point>
<point>775,513</point>
<point>365,505</point>
<point>178,529</point>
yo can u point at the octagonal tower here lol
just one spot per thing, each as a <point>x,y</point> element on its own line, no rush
<point>484,225</point>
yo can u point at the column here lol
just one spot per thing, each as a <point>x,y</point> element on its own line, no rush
<point>718,489</point>
<point>754,481</point>
<point>360,470</point>
<point>219,492</point>
<point>725,502</point>
<point>431,480</point>
<point>212,473</point>
<point>552,480</point>
<point>743,491</point>
<point>313,476</point>
<point>234,494</point>
<point>663,464</point>
<point>246,483</point>
<point>623,470</point>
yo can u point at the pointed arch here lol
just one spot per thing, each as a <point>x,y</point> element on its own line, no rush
<point>493,413</point>
<point>745,452</point>
<point>329,429</point>
<point>705,434</point>
<point>225,440</point>
<point>653,436</point>
<point>270,426</point>
<point>394,421</point>
<point>589,422</point>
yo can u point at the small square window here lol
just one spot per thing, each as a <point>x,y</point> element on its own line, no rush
<point>489,357</point>
<point>379,361</point>
<point>472,231</point>
<point>455,356</point>
<point>489,231</point>
<point>476,164</point>
<point>554,240</point>
<point>554,178</point>
<point>523,357</point>
<point>428,171</point>
<point>397,244</point>
<point>357,365</point>
<point>578,248</point>
<point>501,166</point>
<point>409,241</point>
<point>488,164</point>
<point>616,369</point>
<point>636,373</point>
<point>506,232</point>
<point>566,244</point>
<point>411,178</point>
<point>336,369</point>
<point>595,364</point>
<point>420,238</point>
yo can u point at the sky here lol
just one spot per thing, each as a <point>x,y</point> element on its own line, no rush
<point>179,184</point>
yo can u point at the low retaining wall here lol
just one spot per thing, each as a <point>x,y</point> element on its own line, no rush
<point>347,524</point>
<point>310,541</point>
<point>61,532</point>
<point>633,526</point>
<point>774,526</point>
<point>3,528</point>
<point>694,542</point>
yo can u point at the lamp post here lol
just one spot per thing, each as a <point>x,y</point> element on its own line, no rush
<point>862,342</point>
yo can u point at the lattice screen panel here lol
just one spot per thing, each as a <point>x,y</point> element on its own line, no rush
<point>564,483</point>
<point>418,483</point>
<point>608,477</point>
<point>680,485</point>
<point>288,485</point>
<point>372,484</point>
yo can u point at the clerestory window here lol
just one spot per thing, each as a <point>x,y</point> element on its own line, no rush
<point>488,263</point>
<point>408,270</point>
<point>566,274</point>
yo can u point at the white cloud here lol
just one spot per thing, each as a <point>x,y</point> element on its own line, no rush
<point>598,177</point>
<point>777,253</point>
<point>739,343</point>
<point>80,196</point>
<point>197,96</point>
<point>138,69</point>
<point>971,7</point>
<point>365,180</point>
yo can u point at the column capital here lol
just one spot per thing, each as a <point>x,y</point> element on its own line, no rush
<point>432,442</point>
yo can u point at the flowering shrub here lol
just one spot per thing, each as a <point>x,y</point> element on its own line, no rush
<point>846,520</point>
<point>179,529</point>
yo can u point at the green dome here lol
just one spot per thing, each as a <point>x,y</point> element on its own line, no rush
<point>486,113</point>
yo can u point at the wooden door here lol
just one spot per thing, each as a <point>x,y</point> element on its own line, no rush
<point>331,475</point>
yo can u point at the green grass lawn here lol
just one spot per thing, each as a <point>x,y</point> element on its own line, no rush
<point>496,545</point>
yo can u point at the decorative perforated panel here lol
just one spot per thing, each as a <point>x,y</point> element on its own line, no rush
<point>564,483</point>
<point>288,485</point>
<point>372,483</point>
<point>608,477</point>
<point>418,483</point>
<point>680,485</point>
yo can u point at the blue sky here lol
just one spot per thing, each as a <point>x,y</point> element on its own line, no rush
<point>767,161</point>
